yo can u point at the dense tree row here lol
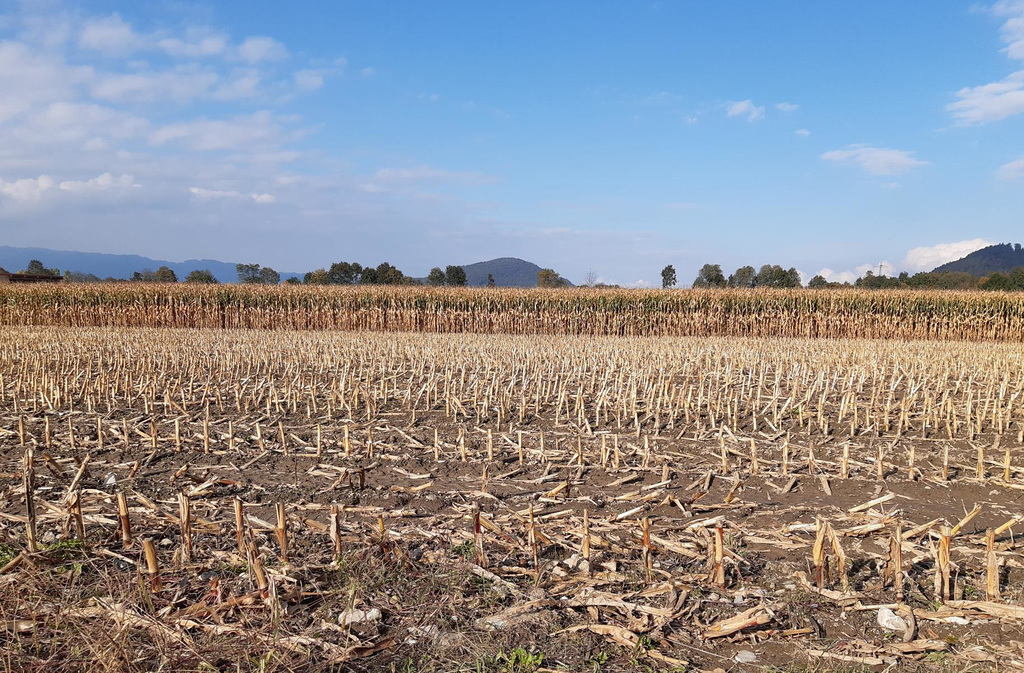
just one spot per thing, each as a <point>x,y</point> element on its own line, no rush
<point>711,275</point>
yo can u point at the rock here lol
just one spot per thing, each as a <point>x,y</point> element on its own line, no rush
<point>357,616</point>
<point>109,480</point>
<point>427,633</point>
<point>887,619</point>
<point>959,621</point>
<point>745,657</point>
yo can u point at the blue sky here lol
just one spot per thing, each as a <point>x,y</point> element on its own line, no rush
<point>608,136</point>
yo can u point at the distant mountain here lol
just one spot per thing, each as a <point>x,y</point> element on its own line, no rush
<point>114,266</point>
<point>507,272</point>
<point>1000,257</point>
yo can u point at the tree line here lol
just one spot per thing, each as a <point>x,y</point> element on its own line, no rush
<point>711,275</point>
<point>1011,281</point>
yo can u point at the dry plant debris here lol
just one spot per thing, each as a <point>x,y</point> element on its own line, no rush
<point>272,500</point>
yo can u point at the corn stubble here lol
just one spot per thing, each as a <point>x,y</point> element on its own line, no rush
<point>205,492</point>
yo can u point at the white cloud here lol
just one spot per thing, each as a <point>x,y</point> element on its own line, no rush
<point>927,258</point>
<point>368,72</point>
<point>110,35</point>
<point>259,49</point>
<point>180,85</point>
<point>308,80</point>
<point>990,102</point>
<point>196,47</point>
<point>917,260</point>
<point>802,132</point>
<point>100,183</point>
<point>876,160</point>
<point>90,109</point>
<point>833,276</point>
<point>207,194</point>
<point>745,108</point>
<point>71,122</point>
<point>29,78</point>
<point>786,107</point>
<point>1013,170</point>
<point>1012,30</point>
<point>29,190</point>
<point>424,173</point>
<point>245,132</point>
<point>1005,98</point>
<point>203,194</point>
<point>244,84</point>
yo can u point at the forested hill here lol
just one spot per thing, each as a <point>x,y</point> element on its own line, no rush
<point>507,272</point>
<point>106,265</point>
<point>1001,257</point>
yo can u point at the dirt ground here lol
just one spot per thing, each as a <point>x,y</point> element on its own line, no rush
<point>496,544</point>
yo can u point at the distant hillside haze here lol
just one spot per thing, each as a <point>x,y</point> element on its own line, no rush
<point>1002,257</point>
<point>114,266</point>
<point>507,272</point>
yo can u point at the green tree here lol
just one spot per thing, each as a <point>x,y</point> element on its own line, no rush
<point>490,280</point>
<point>743,277</point>
<point>454,276</point>
<point>773,275</point>
<point>202,276</point>
<point>165,274</point>
<point>269,277</point>
<point>435,277</point>
<point>292,280</point>
<point>710,275</point>
<point>79,277</point>
<point>344,273</point>
<point>249,274</point>
<point>549,278</point>
<point>817,282</point>
<point>383,274</point>
<point>668,277</point>
<point>36,267</point>
<point>316,277</point>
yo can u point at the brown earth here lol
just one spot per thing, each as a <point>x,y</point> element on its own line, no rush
<point>444,597</point>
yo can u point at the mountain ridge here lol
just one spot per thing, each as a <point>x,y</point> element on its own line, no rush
<point>111,265</point>
<point>1001,257</point>
<point>507,271</point>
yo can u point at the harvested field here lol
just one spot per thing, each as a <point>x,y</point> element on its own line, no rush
<point>293,500</point>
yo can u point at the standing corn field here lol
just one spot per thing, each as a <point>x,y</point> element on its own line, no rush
<point>952,316</point>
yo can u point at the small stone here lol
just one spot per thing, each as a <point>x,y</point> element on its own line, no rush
<point>357,616</point>
<point>745,657</point>
<point>109,480</point>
